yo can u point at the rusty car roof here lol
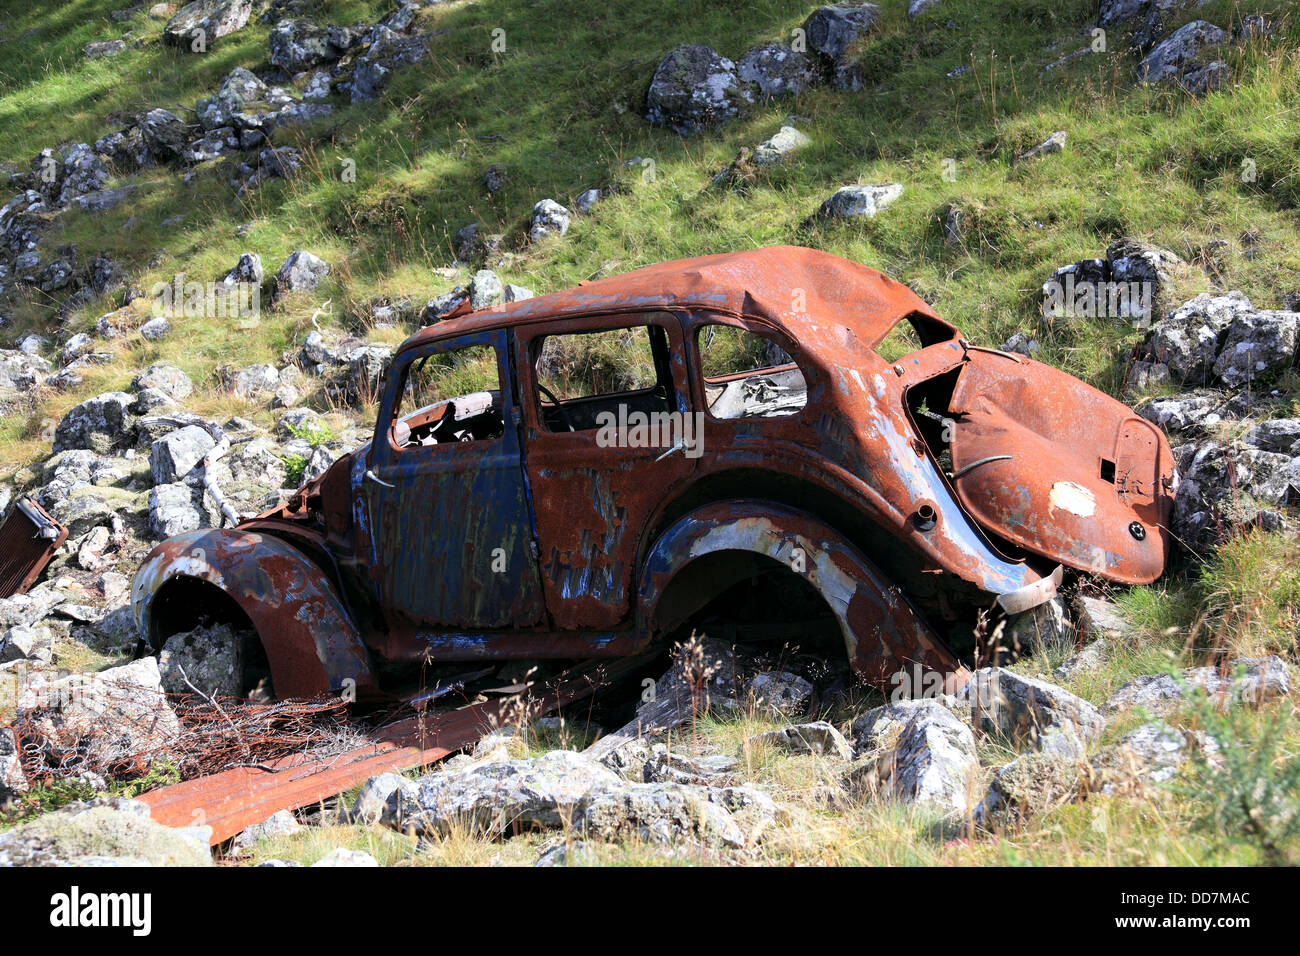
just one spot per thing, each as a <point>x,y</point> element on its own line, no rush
<point>815,297</point>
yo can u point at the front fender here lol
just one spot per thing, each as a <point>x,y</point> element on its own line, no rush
<point>883,634</point>
<point>311,642</point>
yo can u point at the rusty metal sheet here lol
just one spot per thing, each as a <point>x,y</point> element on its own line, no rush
<point>29,538</point>
<point>236,799</point>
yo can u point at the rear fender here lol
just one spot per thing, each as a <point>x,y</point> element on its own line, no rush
<point>883,633</point>
<point>311,642</point>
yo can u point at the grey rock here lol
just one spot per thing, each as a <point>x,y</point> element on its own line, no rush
<point>107,832</point>
<point>167,379</point>
<point>1030,785</point>
<point>658,813</point>
<point>666,766</point>
<point>208,19</point>
<point>1047,717</point>
<point>546,792</point>
<point>780,693</point>
<point>1206,79</point>
<point>301,272</point>
<point>779,146</point>
<point>1173,55</point>
<point>175,455</point>
<point>1053,144</point>
<point>853,202</point>
<point>1151,754</point>
<point>279,824</point>
<point>13,782</point>
<point>1101,620</point>
<point>515,293</point>
<point>549,219</point>
<point>255,382</point>
<point>102,718</point>
<point>388,50</point>
<point>586,201</point>
<point>98,423</point>
<point>693,88</point>
<point>235,104</point>
<point>83,173</point>
<point>1280,435</point>
<point>1248,680</point>
<point>372,803</point>
<point>175,509</point>
<point>341,856</point>
<point>1188,411</point>
<point>102,49</point>
<point>211,658</point>
<point>298,44</point>
<point>156,329</point>
<point>916,751</point>
<point>165,135</point>
<point>774,69</point>
<point>1257,342</point>
<point>485,289</point>
<point>832,30</point>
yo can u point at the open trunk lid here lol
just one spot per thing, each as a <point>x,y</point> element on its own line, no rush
<point>1057,467</point>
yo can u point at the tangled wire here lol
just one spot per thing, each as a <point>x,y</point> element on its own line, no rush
<point>192,734</point>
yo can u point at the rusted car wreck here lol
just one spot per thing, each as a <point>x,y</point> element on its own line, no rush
<point>745,442</point>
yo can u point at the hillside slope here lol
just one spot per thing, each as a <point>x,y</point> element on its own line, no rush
<point>372,146</point>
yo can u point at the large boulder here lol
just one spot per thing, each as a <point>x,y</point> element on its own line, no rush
<point>694,87</point>
<point>113,832</point>
<point>774,69</point>
<point>1257,343</point>
<point>1031,711</point>
<point>917,751</point>
<point>197,24</point>
<point>168,379</point>
<point>301,272</point>
<point>1222,488</point>
<point>298,44</point>
<point>1171,57</point>
<point>99,424</point>
<point>387,51</point>
<point>1246,680</point>
<point>166,136</point>
<point>83,172</point>
<point>175,455</point>
<point>1188,339</point>
<point>833,29</point>
<point>234,104</point>
<point>208,659</point>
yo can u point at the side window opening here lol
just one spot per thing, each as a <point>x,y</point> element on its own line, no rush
<point>450,397</point>
<point>747,375</point>
<point>580,375</point>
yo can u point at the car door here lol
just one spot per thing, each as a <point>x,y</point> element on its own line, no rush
<point>609,433</point>
<point>451,527</point>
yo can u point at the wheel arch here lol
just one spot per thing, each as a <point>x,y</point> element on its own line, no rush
<point>311,642</point>
<point>883,632</point>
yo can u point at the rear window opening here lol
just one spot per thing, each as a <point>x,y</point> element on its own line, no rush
<point>1108,471</point>
<point>747,375</point>
<point>911,333</point>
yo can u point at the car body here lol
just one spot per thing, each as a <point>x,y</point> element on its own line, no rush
<point>903,496</point>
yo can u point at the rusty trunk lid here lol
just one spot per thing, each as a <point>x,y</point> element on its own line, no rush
<point>1061,469</point>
